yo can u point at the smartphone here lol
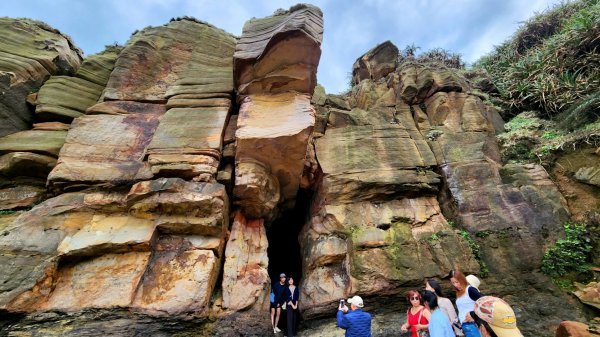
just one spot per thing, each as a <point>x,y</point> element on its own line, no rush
<point>342,302</point>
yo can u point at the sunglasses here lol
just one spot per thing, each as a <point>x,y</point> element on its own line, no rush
<point>415,298</point>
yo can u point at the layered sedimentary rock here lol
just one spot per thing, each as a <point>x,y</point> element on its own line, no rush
<point>275,65</point>
<point>105,148</point>
<point>397,181</point>
<point>127,248</point>
<point>274,132</point>
<point>30,52</point>
<point>63,98</point>
<point>184,57</point>
<point>375,223</point>
<point>280,53</point>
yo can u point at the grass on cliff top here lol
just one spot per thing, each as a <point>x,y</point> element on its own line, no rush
<point>552,62</point>
<point>530,138</point>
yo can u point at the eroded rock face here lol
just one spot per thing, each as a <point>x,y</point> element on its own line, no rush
<point>246,282</point>
<point>31,52</point>
<point>184,57</point>
<point>376,63</point>
<point>280,53</point>
<point>274,132</point>
<point>375,223</point>
<point>405,170</point>
<point>105,148</point>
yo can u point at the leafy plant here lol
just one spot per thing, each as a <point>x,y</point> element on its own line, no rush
<point>569,255</point>
<point>434,237</point>
<point>476,249</point>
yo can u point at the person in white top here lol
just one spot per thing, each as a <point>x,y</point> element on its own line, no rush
<point>466,296</point>
<point>444,303</point>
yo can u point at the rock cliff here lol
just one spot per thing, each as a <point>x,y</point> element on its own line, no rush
<point>148,189</point>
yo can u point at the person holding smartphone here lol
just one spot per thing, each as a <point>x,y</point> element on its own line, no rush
<point>356,322</point>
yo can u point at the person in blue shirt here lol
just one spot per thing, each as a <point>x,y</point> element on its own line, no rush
<point>356,322</point>
<point>439,325</point>
<point>277,292</point>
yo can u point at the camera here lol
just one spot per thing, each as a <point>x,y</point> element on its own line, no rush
<point>342,302</point>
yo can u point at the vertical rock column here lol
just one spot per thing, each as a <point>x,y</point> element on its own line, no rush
<point>275,64</point>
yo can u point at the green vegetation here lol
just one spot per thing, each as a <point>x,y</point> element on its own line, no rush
<point>484,271</point>
<point>435,57</point>
<point>569,255</point>
<point>552,62</point>
<point>7,212</point>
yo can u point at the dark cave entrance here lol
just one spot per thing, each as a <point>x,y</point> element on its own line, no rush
<point>284,248</point>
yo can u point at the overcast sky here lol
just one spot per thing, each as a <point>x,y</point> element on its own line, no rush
<point>468,27</point>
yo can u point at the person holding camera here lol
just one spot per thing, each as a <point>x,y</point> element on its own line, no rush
<point>356,322</point>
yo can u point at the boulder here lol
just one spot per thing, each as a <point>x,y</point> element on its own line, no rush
<point>185,56</point>
<point>572,329</point>
<point>31,52</point>
<point>589,294</point>
<point>414,83</point>
<point>376,63</point>
<point>257,190</point>
<point>107,149</point>
<point>589,175</point>
<point>246,282</point>
<point>279,53</point>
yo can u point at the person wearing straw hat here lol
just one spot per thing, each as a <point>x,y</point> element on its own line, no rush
<point>356,322</point>
<point>495,318</point>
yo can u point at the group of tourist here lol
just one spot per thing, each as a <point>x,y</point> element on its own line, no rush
<point>430,314</point>
<point>433,315</point>
<point>284,296</point>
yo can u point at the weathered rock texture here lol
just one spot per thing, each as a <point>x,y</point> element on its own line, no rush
<point>30,52</point>
<point>187,130</point>
<point>275,65</point>
<point>280,53</point>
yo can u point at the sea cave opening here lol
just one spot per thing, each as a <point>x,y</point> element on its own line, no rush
<point>284,249</point>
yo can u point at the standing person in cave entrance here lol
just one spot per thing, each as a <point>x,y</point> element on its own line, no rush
<point>466,295</point>
<point>278,298</point>
<point>291,306</point>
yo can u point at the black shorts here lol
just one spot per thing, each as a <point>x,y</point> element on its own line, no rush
<point>274,306</point>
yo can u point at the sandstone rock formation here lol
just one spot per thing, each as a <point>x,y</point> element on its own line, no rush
<point>190,156</point>
<point>31,51</point>
<point>280,53</point>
